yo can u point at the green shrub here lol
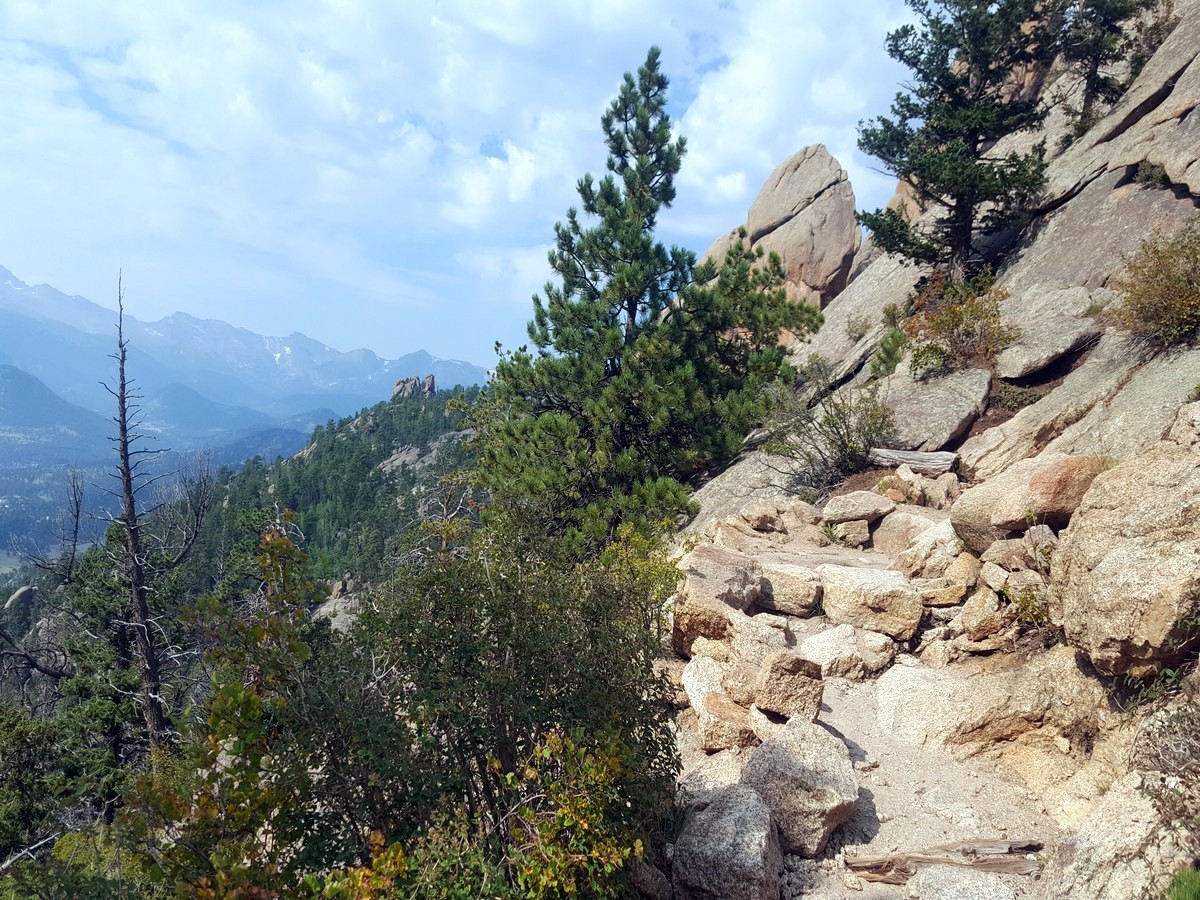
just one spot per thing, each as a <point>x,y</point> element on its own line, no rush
<point>1009,396</point>
<point>823,440</point>
<point>857,327</point>
<point>1152,175</point>
<point>956,325</point>
<point>888,355</point>
<point>1161,284</point>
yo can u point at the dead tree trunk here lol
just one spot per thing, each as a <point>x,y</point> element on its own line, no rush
<point>130,522</point>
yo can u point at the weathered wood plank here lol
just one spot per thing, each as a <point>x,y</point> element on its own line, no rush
<point>923,463</point>
<point>1005,857</point>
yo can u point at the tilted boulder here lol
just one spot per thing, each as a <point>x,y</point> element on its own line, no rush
<point>1126,574</point>
<point>1045,489</point>
<point>931,412</point>
<point>729,849</point>
<point>805,213</point>
<point>805,776</point>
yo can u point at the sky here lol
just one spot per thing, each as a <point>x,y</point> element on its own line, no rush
<point>387,173</point>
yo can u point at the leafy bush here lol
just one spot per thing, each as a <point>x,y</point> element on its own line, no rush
<point>1152,175</point>
<point>1161,284</point>
<point>857,327</point>
<point>956,325</point>
<point>827,438</point>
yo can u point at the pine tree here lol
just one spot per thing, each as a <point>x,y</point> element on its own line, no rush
<point>960,101</point>
<point>1091,41</point>
<point>645,368</point>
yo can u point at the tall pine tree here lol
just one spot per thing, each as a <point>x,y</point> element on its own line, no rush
<point>644,369</point>
<point>940,137</point>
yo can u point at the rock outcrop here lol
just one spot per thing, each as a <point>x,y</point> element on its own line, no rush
<point>413,386</point>
<point>1126,574</point>
<point>805,213</point>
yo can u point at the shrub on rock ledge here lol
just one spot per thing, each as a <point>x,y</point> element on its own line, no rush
<point>1162,289</point>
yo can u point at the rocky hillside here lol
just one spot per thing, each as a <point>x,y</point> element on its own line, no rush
<point>922,689</point>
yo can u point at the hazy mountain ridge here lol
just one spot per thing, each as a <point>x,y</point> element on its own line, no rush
<point>65,341</point>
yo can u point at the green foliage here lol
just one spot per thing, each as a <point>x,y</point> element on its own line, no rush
<point>857,327</point>
<point>1011,397</point>
<point>889,353</point>
<point>1152,175</point>
<point>1091,40</point>
<point>352,511</point>
<point>962,55</point>
<point>956,325</point>
<point>826,436</point>
<point>1185,885</point>
<point>643,371</point>
<point>29,778</point>
<point>564,815</point>
<point>1161,284</point>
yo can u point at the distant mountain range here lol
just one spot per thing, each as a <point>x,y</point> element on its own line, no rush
<point>204,383</point>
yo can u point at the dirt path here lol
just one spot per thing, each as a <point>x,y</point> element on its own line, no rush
<point>910,799</point>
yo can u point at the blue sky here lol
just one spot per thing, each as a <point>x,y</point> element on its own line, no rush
<point>387,173</point>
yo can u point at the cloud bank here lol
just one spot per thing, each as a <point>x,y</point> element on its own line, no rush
<point>387,174</point>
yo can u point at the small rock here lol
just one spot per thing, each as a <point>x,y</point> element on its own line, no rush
<point>865,505</point>
<point>856,533</point>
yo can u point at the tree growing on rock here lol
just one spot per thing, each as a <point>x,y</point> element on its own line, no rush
<point>644,368</point>
<point>940,138</point>
<point>1091,40</point>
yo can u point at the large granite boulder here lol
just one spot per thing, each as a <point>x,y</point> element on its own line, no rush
<point>1052,322</point>
<point>805,776</point>
<point>722,723</point>
<point>1126,575</point>
<point>931,412</point>
<point>1043,490</point>
<point>805,213</point>
<point>848,652</point>
<point>728,849</point>
<point>875,599</point>
<point>1048,700</point>
<point>790,685</point>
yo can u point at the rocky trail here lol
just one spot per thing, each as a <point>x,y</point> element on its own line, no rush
<point>872,697</point>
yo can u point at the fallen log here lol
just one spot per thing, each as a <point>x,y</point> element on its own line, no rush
<point>1005,857</point>
<point>921,462</point>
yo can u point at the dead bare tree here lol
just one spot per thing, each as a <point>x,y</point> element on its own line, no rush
<point>148,553</point>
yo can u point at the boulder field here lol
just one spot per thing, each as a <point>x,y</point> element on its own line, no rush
<point>914,690</point>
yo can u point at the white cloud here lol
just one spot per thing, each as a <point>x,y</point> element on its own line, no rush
<point>269,163</point>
